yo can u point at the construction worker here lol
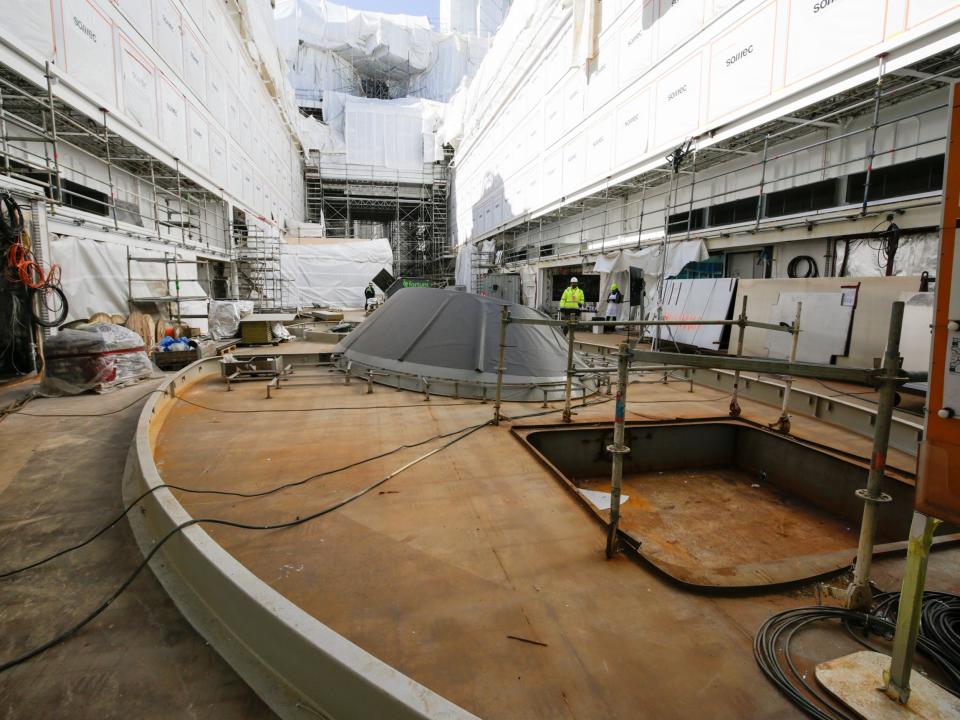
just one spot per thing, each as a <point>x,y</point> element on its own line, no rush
<point>614,301</point>
<point>368,294</point>
<point>571,302</point>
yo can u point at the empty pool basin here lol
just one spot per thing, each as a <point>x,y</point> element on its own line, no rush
<point>727,503</point>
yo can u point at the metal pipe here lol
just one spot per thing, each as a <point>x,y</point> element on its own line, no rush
<point>568,385</point>
<point>53,132</point>
<point>859,595</point>
<point>370,382</point>
<point>504,321</point>
<point>873,137</point>
<point>897,677</point>
<point>742,323</point>
<point>618,449</point>
<point>763,175</point>
<point>783,422</point>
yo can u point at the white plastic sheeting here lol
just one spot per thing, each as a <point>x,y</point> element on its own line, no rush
<point>95,277</point>
<point>399,134</point>
<point>915,254</point>
<point>650,262</point>
<point>333,274</point>
<point>329,46</point>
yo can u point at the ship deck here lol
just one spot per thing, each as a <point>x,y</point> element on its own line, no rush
<point>446,570</point>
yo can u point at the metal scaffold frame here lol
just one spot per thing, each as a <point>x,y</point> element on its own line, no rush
<point>410,210</point>
<point>655,200</point>
<point>45,141</point>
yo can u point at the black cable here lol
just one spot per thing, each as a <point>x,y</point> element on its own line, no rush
<point>76,627</point>
<point>63,415</point>
<point>771,649</point>
<point>939,619</point>
<point>793,267</point>
<point>229,493</point>
<point>321,409</point>
<point>58,311</point>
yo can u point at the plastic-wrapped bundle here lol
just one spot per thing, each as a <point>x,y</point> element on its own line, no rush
<point>100,357</point>
<point>224,317</point>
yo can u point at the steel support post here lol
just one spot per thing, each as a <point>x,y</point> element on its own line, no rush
<point>113,189</point>
<point>897,678</point>
<point>618,449</point>
<point>568,386</point>
<point>783,422</point>
<point>53,133</point>
<point>742,324</point>
<point>763,177</point>
<point>504,321</point>
<point>873,136</point>
<point>859,595</point>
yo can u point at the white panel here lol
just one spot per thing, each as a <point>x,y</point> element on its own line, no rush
<point>138,87</point>
<point>137,12</point>
<point>600,147</point>
<point>194,64</point>
<point>741,63</point>
<point>922,10</point>
<point>676,105</point>
<point>173,118</point>
<point>573,99</point>
<point>168,33</point>
<point>602,82</point>
<point>218,158</point>
<point>552,175</point>
<point>635,48</point>
<point>234,115</point>
<point>703,299</point>
<point>632,128</point>
<point>824,326</point>
<point>553,117</point>
<point>825,32</point>
<point>247,175</point>
<point>216,93</point>
<point>30,21</point>
<point>235,171</point>
<point>88,47</point>
<point>574,164</point>
<point>676,21</point>
<point>199,144</point>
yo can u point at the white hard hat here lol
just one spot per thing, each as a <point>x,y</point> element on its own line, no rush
<point>573,280</point>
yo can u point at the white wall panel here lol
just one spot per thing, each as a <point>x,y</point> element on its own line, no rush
<point>635,43</point>
<point>823,32</point>
<point>198,151</point>
<point>599,147</point>
<point>168,33</point>
<point>138,13</point>
<point>741,63</point>
<point>676,102</point>
<point>173,118</point>
<point>194,64</point>
<point>632,127</point>
<point>574,164</point>
<point>88,47</point>
<point>138,87</point>
<point>218,157</point>
<point>676,21</point>
<point>920,11</point>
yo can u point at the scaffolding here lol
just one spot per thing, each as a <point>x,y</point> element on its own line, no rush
<point>83,164</point>
<point>667,203</point>
<point>257,256</point>
<point>408,209</point>
<point>171,300</point>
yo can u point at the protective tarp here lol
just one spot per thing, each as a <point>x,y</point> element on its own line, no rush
<point>649,260</point>
<point>451,337</point>
<point>330,47</point>
<point>99,357</point>
<point>97,278</point>
<point>915,254</point>
<point>223,317</point>
<point>332,274</point>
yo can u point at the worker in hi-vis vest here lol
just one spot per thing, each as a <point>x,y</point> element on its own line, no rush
<point>571,302</point>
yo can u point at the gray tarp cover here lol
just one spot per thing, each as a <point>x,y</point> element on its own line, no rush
<point>455,335</point>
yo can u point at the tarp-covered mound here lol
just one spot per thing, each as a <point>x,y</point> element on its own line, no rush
<point>451,339</point>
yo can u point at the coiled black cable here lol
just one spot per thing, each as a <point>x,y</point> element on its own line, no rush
<point>771,649</point>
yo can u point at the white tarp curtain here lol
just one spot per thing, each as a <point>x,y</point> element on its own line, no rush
<point>95,277</point>
<point>463,271</point>
<point>332,274</point>
<point>398,134</point>
<point>649,260</point>
<point>915,254</point>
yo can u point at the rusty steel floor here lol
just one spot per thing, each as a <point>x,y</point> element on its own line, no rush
<point>722,517</point>
<point>436,569</point>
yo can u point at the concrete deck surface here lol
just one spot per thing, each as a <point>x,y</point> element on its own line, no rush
<point>60,481</point>
<point>434,570</point>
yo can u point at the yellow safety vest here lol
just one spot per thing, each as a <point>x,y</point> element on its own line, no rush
<point>572,298</point>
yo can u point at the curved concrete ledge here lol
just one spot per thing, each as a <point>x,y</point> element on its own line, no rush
<point>298,665</point>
